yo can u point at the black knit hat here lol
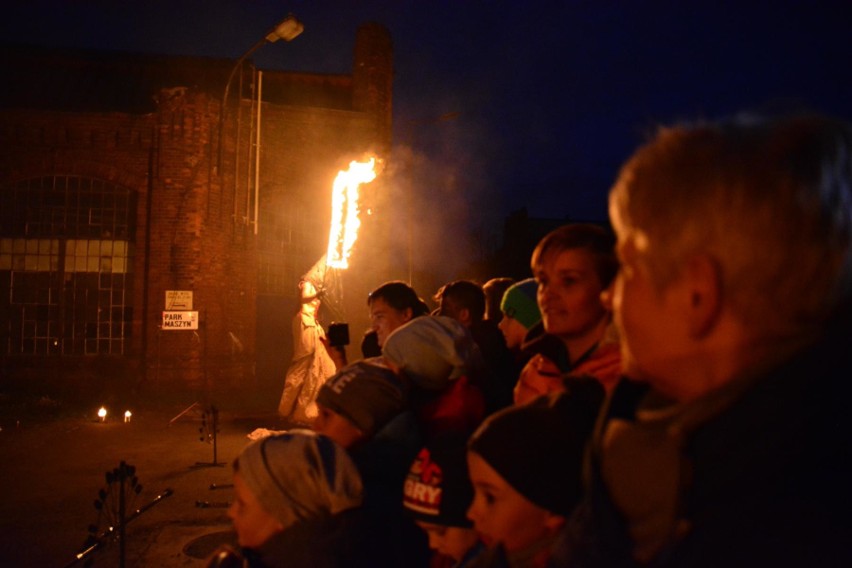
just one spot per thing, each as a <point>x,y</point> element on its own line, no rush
<point>366,393</point>
<point>437,489</point>
<point>538,447</point>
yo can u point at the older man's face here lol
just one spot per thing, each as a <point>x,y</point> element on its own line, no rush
<point>651,321</point>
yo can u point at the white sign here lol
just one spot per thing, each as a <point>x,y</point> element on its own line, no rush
<point>180,320</point>
<point>178,299</point>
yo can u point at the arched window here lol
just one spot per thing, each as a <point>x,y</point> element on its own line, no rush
<point>66,263</point>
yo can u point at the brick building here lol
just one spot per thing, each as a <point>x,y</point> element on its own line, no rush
<point>121,179</point>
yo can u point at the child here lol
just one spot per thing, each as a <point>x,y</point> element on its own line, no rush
<point>358,401</point>
<point>297,499</point>
<point>364,409</point>
<point>437,493</point>
<point>438,358</point>
<point>525,465</point>
<point>520,313</point>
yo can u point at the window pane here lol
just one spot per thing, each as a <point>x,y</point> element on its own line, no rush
<point>40,300</point>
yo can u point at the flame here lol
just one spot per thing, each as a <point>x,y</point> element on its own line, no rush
<point>344,211</point>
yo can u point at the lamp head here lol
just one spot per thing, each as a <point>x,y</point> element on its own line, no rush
<point>288,29</point>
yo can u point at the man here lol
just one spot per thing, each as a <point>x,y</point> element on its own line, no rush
<point>464,301</point>
<point>494,290</point>
<point>730,446</point>
<point>391,305</point>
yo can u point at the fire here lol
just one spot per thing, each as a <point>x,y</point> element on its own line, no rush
<point>344,211</point>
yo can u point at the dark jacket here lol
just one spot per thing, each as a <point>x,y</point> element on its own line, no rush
<point>764,479</point>
<point>394,540</point>
<point>338,541</point>
<point>500,373</point>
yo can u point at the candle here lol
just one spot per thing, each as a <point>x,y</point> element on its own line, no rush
<point>102,414</point>
<point>127,415</point>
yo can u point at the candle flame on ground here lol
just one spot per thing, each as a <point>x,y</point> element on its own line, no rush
<point>344,211</point>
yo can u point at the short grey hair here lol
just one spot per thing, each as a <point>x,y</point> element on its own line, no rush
<point>769,199</point>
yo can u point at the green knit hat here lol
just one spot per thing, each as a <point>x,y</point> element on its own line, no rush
<point>519,303</point>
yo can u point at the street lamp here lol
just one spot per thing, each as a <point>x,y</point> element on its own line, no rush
<point>287,29</point>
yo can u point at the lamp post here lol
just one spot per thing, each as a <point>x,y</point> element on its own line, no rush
<point>287,29</point>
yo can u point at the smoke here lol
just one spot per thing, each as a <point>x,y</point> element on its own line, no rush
<point>441,203</point>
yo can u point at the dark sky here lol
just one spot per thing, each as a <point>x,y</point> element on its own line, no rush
<point>551,96</point>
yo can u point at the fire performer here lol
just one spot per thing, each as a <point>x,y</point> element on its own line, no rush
<point>311,364</point>
<point>314,360</point>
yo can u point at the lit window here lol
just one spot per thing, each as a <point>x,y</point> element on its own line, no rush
<point>66,245</point>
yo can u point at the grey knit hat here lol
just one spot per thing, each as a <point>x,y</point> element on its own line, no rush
<point>300,476</point>
<point>367,393</point>
<point>432,351</point>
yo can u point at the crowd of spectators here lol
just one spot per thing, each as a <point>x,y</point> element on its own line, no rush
<point>667,390</point>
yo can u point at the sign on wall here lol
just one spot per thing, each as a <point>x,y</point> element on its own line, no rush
<point>178,300</point>
<point>180,320</point>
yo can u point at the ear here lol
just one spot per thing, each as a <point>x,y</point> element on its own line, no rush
<point>553,522</point>
<point>606,296</point>
<point>407,313</point>
<point>464,316</point>
<point>704,281</point>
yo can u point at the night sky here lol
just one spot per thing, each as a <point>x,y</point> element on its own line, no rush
<point>547,98</point>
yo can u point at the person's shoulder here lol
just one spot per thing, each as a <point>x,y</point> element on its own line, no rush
<point>493,557</point>
<point>226,557</point>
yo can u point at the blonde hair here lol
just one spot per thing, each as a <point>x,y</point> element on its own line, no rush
<point>768,199</point>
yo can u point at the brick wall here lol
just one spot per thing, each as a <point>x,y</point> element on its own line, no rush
<point>195,226</point>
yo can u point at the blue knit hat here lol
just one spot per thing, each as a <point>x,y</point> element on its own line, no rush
<point>519,303</point>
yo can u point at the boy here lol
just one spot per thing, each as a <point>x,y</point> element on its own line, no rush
<point>520,313</point>
<point>297,499</point>
<point>437,493</point>
<point>525,466</point>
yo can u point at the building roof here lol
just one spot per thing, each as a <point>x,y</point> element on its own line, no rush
<point>78,80</point>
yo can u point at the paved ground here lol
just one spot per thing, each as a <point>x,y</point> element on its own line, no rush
<point>54,464</point>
